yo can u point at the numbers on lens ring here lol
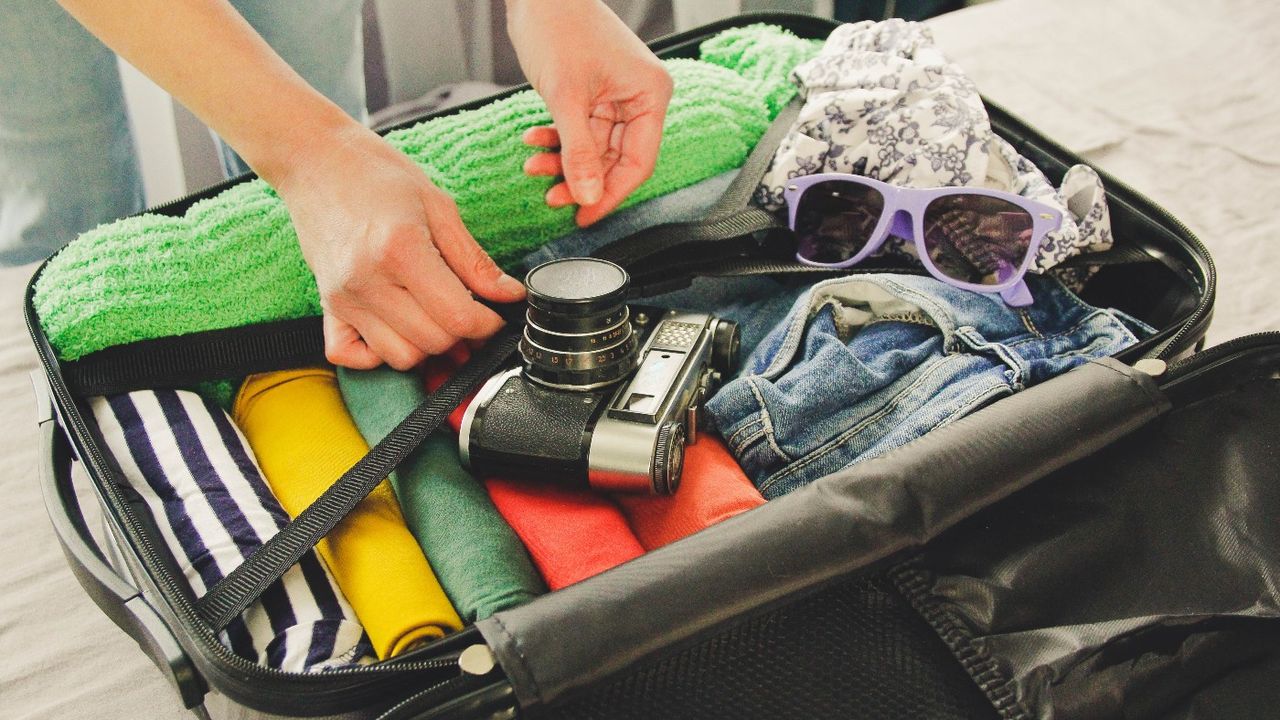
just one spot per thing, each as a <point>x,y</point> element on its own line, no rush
<point>610,336</point>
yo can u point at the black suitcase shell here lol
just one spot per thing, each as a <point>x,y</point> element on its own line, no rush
<point>843,620</point>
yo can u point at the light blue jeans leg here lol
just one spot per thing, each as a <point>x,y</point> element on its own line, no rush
<point>66,156</point>
<point>321,40</point>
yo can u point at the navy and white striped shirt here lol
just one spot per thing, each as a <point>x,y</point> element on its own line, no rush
<point>195,472</point>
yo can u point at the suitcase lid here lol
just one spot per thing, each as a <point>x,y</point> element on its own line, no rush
<point>1085,548</point>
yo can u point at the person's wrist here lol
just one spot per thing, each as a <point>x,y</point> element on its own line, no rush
<point>521,12</point>
<point>301,140</point>
<point>514,7</point>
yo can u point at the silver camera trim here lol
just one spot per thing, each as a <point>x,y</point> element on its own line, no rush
<point>613,460</point>
<point>482,398</point>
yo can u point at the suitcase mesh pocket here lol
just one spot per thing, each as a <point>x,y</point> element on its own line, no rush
<point>856,650</point>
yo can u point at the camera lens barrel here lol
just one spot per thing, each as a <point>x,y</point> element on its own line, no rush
<point>579,334</point>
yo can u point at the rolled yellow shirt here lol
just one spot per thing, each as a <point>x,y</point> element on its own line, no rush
<point>304,440</point>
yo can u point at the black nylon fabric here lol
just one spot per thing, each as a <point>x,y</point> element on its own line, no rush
<point>864,517</point>
<point>1141,582</point>
<point>856,650</point>
<point>182,361</point>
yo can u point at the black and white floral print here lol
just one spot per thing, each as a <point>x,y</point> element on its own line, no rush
<point>881,100</point>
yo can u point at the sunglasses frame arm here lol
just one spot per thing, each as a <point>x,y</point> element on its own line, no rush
<point>1017,296</point>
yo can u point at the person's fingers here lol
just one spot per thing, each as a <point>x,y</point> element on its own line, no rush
<point>402,312</point>
<point>542,136</point>
<point>635,146</point>
<point>544,164</point>
<point>559,195</point>
<point>437,289</point>
<point>384,342</point>
<point>579,151</point>
<point>408,258</point>
<point>344,346</point>
<point>471,267</point>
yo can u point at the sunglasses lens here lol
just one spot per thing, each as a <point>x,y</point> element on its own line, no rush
<point>977,239</point>
<point>835,219</point>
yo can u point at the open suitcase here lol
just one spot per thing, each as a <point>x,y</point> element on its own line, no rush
<point>1100,545</point>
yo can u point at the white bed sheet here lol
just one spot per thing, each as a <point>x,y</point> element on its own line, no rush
<point>1179,99</point>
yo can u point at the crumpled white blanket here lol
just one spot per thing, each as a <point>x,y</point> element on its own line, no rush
<point>881,100</point>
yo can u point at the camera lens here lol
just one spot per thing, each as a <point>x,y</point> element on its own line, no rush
<point>578,335</point>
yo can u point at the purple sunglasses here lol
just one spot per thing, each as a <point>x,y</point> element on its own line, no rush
<point>972,238</point>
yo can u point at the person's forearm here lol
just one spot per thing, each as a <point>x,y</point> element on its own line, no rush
<point>515,7</point>
<point>212,61</point>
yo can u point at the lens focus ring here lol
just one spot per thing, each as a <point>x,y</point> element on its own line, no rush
<point>579,334</point>
<point>578,342</point>
<point>579,370</point>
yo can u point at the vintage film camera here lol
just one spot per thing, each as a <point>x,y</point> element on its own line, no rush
<point>607,395</point>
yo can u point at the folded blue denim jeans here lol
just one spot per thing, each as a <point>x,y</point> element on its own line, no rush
<point>866,363</point>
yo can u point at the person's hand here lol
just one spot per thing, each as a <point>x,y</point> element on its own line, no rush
<point>393,262</point>
<point>391,257</point>
<point>607,94</point>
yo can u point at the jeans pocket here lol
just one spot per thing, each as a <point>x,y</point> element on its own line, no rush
<point>830,373</point>
<point>940,390</point>
<point>752,439</point>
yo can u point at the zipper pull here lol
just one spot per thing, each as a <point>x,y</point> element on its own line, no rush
<point>1154,367</point>
<point>477,660</point>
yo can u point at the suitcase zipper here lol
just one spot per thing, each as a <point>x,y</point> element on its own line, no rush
<point>1168,349</point>
<point>1206,358</point>
<point>432,698</point>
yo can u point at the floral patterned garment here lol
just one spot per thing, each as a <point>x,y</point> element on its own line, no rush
<point>881,100</point>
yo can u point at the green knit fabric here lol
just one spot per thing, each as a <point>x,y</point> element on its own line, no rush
<point>480,562</point>
<point>477,157</point>
<point>765,56</point>
<point>234,259</point>
<point>222,392</point>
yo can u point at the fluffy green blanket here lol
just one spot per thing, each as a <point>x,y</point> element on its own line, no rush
<point>234,259</point>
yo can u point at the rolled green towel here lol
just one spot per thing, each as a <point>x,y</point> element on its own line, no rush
<point>480,562</point>
<point>764,55</point>
<point>477,157</point>
<point>234,259</point>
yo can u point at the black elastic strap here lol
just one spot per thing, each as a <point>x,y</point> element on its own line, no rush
<point>230,596</point>
<point>659,277</point>
<point>731,217</point>
<point>183,360</point>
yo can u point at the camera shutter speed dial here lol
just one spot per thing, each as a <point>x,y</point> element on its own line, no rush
<point>668,458</point>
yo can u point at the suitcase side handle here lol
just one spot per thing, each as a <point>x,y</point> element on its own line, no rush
<point>115,596</point>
